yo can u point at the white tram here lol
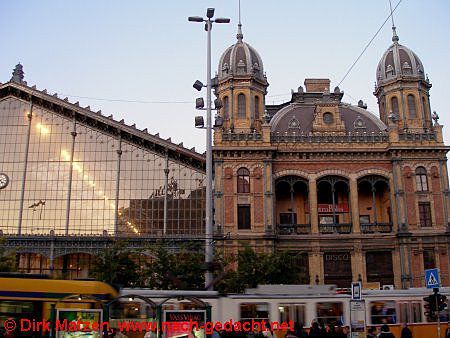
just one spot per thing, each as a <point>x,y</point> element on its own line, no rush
<point>301,303</point>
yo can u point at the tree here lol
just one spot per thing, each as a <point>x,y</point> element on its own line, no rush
<point>117,265</point>
<point>174,270</point>
<point>8,261</point>
<point>279,267</point>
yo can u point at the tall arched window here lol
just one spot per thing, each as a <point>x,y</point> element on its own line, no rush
<point>256,107</point>
<point>421,179</point>
<point>394,105</point>
<point>424,105</point>
<point>226,108</point>
<point>241,106</point>
<point>243,180</point>
<point>412,106</point>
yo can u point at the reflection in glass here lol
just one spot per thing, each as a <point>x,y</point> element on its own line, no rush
<point>87,180</point>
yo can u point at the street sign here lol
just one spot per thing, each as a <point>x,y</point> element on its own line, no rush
<point>356,291</point>
<point>432,278</point>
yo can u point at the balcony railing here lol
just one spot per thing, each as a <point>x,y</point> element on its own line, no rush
<point>330,138</point>
<point>294,229</point>
<point>342,228</point>
<point>370,228</point>
<point>412,135</point>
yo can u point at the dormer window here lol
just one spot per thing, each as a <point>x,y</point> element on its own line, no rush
<point>328,118</point>
<point>406,68</point>
<point>390,70</point>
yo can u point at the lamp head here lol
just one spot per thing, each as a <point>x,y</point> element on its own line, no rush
<point>218,121</point>
<point>195,19</point>
<point>218,104</point>
<point>199,103</point>
<point>198,85</point>
<point>199,123</point>
<point>210,13</point>
<point>222,20</point>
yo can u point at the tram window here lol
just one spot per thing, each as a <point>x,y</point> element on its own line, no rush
<point>383,312</point>
<point>330,313</point>
<point>410,312</point>
<point>294,312</point>
<point>254,311</point>
<point>416,313</point>
<point>404,313</point>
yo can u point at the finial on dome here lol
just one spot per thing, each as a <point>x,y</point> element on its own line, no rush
<point>394,32</point>
<point>394,35</point>
<point>18,74</point>
<point>239,34</point>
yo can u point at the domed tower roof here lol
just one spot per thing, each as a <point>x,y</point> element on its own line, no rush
<point>399,61</point>
<point>241,59</point>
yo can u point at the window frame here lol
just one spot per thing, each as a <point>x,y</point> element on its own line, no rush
<point>243,181</point>
<point>425,216</point>
<point>244,223</point>
<point>411,99</point>
<point>421,179</point>
<point>242,106</point>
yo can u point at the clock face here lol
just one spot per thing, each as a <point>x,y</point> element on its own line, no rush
<point>4,180</point>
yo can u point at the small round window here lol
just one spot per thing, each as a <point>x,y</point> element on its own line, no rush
<point>328,118</point>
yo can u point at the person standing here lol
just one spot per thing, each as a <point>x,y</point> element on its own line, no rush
<point>385,332</point>
<point>406,332</point>
<point>371,332</point>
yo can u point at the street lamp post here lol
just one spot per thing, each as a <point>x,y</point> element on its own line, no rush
<point>198,85</point>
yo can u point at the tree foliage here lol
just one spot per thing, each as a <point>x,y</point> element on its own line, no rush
<point>174,270</point>
<point>117,265</point>
<point>8,261</point>
<point>279,267</point>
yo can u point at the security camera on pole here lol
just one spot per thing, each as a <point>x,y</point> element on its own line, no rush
<point>199,124</point>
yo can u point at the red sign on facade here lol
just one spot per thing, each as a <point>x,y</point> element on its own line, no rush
<point>328,208</point>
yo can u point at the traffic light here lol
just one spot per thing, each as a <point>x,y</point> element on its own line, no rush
<point>442,302</point>
<point>430,305</point>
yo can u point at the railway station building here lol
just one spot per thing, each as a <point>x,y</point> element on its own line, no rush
<point>353,195</point>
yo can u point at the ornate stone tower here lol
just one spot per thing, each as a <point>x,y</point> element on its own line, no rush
<point>241,86</point>
<point>402,89</point>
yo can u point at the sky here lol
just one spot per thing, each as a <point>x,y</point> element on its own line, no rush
<point>108,53</point>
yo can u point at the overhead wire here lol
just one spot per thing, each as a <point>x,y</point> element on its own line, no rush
<point>390,16</point>
<point>369,43</point>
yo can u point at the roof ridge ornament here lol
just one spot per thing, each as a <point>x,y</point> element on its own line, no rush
<point>18,74</point>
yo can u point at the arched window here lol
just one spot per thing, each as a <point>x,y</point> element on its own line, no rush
<point>256,107</point>
<point>226,106</point>
<point>241,106</point>
<point>412,107</point>
<point>421,179</point>
<point>394,105</point>
<point>424,106</point>
<point>243,180</point>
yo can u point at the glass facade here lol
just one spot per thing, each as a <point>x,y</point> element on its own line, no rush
<point>72,177</point>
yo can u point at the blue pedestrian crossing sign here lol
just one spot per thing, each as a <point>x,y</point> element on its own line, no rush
<point>432,278</point>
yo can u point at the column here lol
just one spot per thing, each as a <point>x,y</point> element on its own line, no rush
<point>269,206</point>
<point>315,266</point>
<point>116,205</point>
<point>69,190</point>
<point>314,218</point>
<point>357,264</point>
<point>354,203</point>
<point>166,185</point>
<point>25,165</point>
<point>444,186</point>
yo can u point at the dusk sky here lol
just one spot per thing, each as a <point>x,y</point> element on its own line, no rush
<point>147,51</point>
